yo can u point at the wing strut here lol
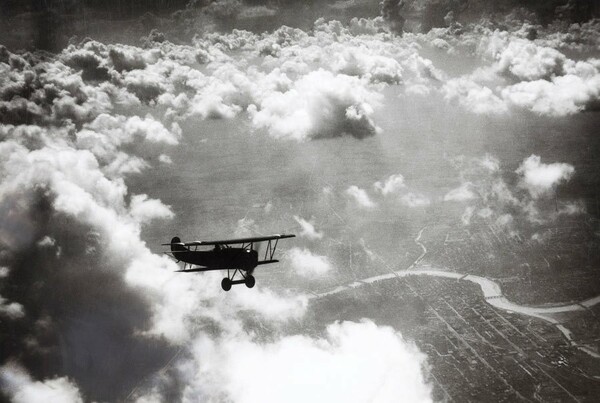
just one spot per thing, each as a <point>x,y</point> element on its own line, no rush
<point>270,249</point>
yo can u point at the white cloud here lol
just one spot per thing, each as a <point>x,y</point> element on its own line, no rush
<point>308,229</point>
<point>473,97</point>
<point>107,134</point>
<point>146,85</point>
<point>490,197</point>
<point>122,130</point>
<point>354,362</point>
<point>22,389</point>
<point>128,58</point>
<point>392,184</point>
<point>412,199</point>
<point>270,305</point>
<point>542,179</point>
<point>489,162</point>
<point>318,105</point>
<point>563,95</point>
<point>307,264</point>
<point>461,193</point>
<point>165,159</point>
<point>360,197</point>
<point>46,241</point>
<point>12,310</point>
<point>526,74</point>
<point>362,63</point>
<point>143,209</point>
<point>527,61</point>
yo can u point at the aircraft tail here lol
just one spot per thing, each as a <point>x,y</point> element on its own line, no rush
<point>175,247</point>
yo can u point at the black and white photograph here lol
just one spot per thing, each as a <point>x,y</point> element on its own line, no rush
<point>321,201</point>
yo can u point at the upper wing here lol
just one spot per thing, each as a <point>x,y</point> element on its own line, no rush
<point>235,241</point>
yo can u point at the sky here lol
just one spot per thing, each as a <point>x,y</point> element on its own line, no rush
<point>352,133</point>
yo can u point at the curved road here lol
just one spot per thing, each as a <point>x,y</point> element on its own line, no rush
<point>491,292</point>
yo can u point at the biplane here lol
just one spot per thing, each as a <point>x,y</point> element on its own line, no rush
<point>241,260</point>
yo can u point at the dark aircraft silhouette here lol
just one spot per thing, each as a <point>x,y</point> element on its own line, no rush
<point>243,259</point>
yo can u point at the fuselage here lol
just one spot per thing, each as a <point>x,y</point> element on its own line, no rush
<point>220,258</point>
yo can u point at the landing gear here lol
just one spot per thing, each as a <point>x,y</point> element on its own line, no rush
<point>228,281</point>
<point>226,284</point>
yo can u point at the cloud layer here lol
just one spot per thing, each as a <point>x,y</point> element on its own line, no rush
<point>522,74</point>
<point>77,280</point>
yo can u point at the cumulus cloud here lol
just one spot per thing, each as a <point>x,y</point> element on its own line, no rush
<point>327,81</point>
<point>521,74</point>
<point>412,199</point>
<point>125,130</point>
<point>393,189</point>
<point>461,193</point>
<point>270,305</point>
<point>106,135</point>
<point>308,229</point>
<point>542,179</point>
<point>165,159</point>
<point>301,368</point>
<point>307,264</point>
<point>489,195</point>
<point>358,62</point>
<point>12,310</point>
<point>525,60</point>
<point>51,92</point>
<point>144,209</point>
<point>22,389</point>
<point>60,193</point>
<point>360,197</point>
<point>128,58</point>
<point>563,95</point>
<point>319,105</point>
<point>393,184</point>
<point>473,96</point>
<point>63,195</point>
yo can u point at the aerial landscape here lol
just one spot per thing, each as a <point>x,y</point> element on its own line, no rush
<point>436,160</point>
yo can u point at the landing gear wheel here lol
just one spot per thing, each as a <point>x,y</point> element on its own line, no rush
<point>226,284</point>
<point>250,281</point>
